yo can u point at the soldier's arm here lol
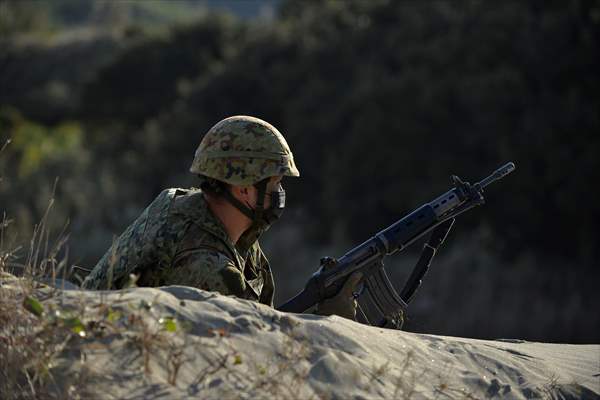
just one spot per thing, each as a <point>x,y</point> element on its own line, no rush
<point>120,260</point>
<point>209,270</point>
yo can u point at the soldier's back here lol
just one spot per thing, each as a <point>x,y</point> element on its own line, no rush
<point>148,246</point>
<point>178,240</point>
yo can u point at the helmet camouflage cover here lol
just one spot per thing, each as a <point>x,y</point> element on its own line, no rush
<point>243,150</point>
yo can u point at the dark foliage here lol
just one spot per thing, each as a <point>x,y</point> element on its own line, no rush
<point>381,101</point>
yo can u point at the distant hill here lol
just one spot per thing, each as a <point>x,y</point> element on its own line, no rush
<point>28,16</point>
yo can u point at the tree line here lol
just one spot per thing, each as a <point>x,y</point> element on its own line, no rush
<point>380,101</point>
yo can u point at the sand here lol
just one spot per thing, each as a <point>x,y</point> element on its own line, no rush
<point>178,342</point>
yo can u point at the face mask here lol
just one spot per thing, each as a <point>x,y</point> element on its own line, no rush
<point>273,213</point>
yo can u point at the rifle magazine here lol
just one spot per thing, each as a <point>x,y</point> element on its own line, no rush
<point>380,305</point>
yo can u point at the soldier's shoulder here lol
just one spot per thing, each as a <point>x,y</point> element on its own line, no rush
<point>157,217</point>
<point>184,200</point>
<point>177,201</point>
<point>161,206</point>
<point>189,208</point>
<point>178,194</point>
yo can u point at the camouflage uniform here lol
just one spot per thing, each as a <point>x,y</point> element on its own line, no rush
<point>177,240</point>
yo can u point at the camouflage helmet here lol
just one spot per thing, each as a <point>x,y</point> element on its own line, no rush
<point>242,151</point>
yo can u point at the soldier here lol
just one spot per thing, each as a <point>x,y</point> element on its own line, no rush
<point>208,238</point>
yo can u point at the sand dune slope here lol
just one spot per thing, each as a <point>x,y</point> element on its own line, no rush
<point>178,342</point>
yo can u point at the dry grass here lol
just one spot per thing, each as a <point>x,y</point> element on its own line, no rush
<point>31,334</point>
<point>48,347</point>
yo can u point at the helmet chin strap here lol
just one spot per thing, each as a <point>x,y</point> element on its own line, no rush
<point>261,218</point>
<point>254,214</point>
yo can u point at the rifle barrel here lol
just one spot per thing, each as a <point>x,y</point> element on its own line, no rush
<point>498,174</point>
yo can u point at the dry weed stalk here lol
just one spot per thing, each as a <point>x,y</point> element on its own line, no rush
<point>31,335</point>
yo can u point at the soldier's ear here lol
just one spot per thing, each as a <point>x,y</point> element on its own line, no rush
<point>241,192</point>
<point>250,194</point>
<point>236,190</point>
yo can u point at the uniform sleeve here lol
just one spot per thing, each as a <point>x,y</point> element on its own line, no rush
<point>121,259</point>
<point>208,270</point>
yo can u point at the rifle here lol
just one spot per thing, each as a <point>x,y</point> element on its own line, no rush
<point>378,302</point>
